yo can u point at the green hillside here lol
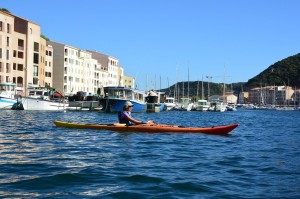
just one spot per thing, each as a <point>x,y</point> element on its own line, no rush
<point>284,72</point>
<point>195,89</point>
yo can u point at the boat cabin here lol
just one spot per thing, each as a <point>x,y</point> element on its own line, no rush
<point>119,92</point>
<point>7,90</point>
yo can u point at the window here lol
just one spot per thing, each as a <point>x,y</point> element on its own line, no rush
<point>1,25</point>
<point>36,46</point>
<point>36,58</point>
<point>47,74</point>
<point>46,52</point>
<point>50,53</point>
<point>20,44</point>
<point>20,67</point>
<point>0,52</point>
<point>14,66</point>
<point>7,54</point>
<point>14,53</point>
<point>7,68</point>
<point>0,66</point>
<point>20,55</point>
<point>7,41</point>
<point>35,80</point>
<point>8,28</point>
<point>35,70</point>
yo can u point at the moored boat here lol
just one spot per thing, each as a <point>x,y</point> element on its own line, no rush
<point>155,101</point>
<point>185,104</point>
<point>116,96</point>
<point>202,105</point>
<point>150,128</point>
<point>41,99</point>
<point>83,100</point>
<point>170,103</point>
<point>8,95</point>
<point>217,106</point>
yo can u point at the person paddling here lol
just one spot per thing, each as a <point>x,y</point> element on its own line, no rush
<point>124,116</point>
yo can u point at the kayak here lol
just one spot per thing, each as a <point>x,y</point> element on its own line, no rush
<point>150,128</point>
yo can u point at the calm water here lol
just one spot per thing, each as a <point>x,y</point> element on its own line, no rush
<point>261,158</point>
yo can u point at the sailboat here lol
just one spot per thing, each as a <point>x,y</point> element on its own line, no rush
<point>219,105</point>
<point>185,102</point>
<point>202,104</point>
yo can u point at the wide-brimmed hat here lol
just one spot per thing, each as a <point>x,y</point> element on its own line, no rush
<point>128,104</point>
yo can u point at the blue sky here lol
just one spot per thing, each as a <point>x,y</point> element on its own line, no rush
<point>159,41</point>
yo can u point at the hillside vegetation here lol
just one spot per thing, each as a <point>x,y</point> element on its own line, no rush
<point>284,72</point>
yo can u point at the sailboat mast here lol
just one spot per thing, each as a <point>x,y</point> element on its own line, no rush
<point>176,86</point>
<point>197,89</point>
<point>183,89</point>
<point>202,89</point>
<point>224,101</point>
<point>188,94</point>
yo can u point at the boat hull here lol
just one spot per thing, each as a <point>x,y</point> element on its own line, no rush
<point>150,128</point>
<point>41,105</point>
<point>6,103</point>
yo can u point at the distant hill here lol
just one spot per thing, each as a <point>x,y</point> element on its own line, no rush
<point>195,89</point>
<point>284,72</point>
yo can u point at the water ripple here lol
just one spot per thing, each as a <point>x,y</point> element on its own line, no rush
<point>259,160</point>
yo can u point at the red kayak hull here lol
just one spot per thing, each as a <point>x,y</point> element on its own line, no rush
<point>151,128</point>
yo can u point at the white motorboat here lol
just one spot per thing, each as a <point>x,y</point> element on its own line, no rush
<point>202,105</point>
<point>41,99</point>
<point>170,103</point>
<point>8,95</point>
<point>217,106</point>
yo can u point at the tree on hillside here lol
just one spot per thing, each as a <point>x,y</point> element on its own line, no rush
<point>284,72</point>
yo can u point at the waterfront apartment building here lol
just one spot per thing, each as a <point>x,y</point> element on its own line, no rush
<point>111,66</point>
<point>121,76</point>
<point>243,98</point>
<point>276,95</point>
<point>29,60</point>
<point>296,97</point>
<point>129,81</point>
<point>48,65</point>
<point>23,53</point>
<point>75,70</point>
<point>229,98</point>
